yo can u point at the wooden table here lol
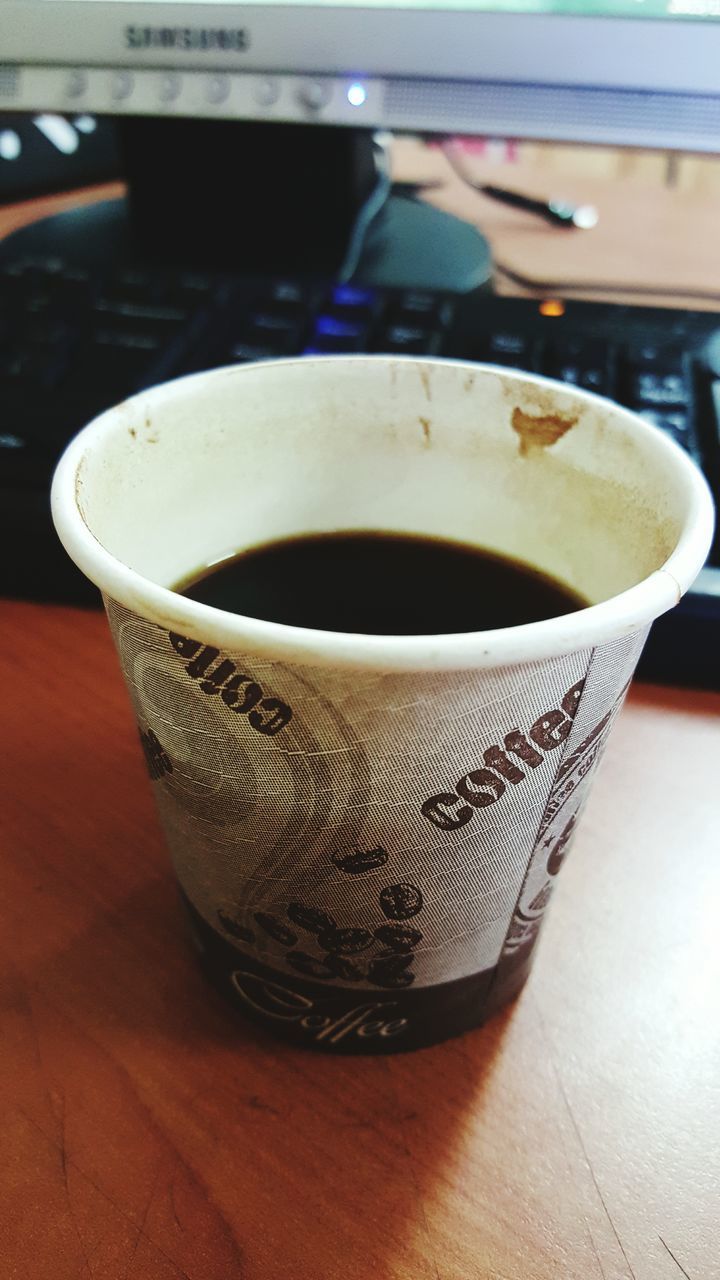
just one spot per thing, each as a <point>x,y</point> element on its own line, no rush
<point>149,1135</point>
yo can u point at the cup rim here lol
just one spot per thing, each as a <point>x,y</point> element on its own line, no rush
<point>586,628</point>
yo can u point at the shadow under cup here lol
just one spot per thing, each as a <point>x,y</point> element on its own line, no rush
<point>366,829</point>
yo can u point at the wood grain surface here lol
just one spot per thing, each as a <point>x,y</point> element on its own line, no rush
<point>149,1134</point>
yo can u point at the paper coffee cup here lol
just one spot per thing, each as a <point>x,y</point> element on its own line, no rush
<point>366,829</point>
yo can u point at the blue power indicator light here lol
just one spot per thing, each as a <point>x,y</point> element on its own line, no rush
<point>357,95</point>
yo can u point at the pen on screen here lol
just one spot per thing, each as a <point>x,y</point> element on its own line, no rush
<point>559,212</point>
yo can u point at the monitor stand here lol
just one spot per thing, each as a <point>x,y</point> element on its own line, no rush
<point>259,198</point>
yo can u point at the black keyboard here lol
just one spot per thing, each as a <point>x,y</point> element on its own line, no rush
<point>73,342</point>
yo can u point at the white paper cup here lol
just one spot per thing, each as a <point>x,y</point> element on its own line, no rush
<point>366,829</point>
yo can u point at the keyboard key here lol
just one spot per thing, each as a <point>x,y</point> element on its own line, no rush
<point>284,299</point>
<point>677,422</point>
<point>280,333</point>
<point>10,441</point>
<point>649,390</point>
<point>510,348</point>
<point>340,326</point>
<point>351,298</point>
<point>286,316</point>
<point>655,356</point>
<point>505,347</point>
<point>124,339</point>
<point>582,362</point>
<point>156,312</point>
<point>407,340</point>
<point>333,333</point>
<point>415,307</point>
<point>589,379</point>
<point>506,343</point>
<point>287,293</point>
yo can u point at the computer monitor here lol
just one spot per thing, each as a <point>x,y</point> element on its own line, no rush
<point>637,72</point>
<point>220,104</point>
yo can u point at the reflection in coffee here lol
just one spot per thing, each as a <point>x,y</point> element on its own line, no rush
<point>381,584</point>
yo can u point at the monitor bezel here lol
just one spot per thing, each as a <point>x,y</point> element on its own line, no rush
<point>673,55</point>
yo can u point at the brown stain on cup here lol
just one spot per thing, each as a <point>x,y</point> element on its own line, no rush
<point>425,380</point>
<point>148,427</point>
<point>425,424</point>
<point>539,431</point>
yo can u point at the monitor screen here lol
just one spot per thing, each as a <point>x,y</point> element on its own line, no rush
<point>627,72</point>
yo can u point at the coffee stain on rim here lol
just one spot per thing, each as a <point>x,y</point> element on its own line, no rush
<point>149,427</point>
<point>425,424</point>
<point>425,379</point>
<point>538,431</point>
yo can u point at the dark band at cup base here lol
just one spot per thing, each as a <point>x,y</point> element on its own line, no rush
<point>359,1020</point>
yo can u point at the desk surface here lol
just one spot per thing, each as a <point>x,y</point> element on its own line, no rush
<point>149,1135</point>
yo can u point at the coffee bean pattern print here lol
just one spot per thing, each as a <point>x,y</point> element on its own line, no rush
<point>276,929</point>
<point>381,955</point>
<point>309,965</point>
<point>234,928</point>
<point>401,901</point>
<point>355,862</point>
<point>389,967</point>
<point>391,971</point>
<point>391,947</point>
<point>398,937</point>
<point>341,967</point>
<point>310,918</point>
<point>345,941</point>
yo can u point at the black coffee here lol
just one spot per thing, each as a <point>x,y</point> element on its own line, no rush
<point>381,584</point>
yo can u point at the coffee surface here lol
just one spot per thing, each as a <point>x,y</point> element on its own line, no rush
<point>380,584</point>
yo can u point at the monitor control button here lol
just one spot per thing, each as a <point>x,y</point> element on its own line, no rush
<point>121,85</point>
<point>267,92</point>
<point>77,83</point>
<point>217,88</point>
<point>169,87</point>
<point>314,95</point>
